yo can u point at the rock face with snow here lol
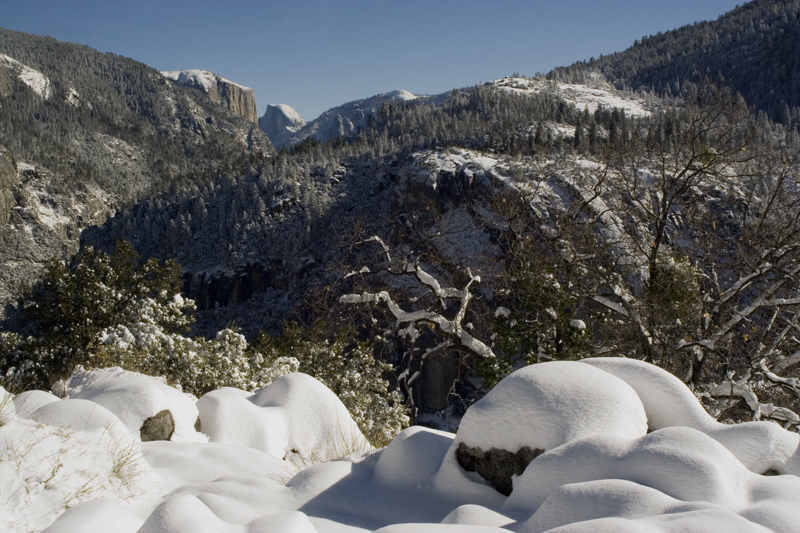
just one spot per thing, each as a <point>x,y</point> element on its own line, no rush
<point>8,180</point>
<point>280,122</point>
<point>230,95</point>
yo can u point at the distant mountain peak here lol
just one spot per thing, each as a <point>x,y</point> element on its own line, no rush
<point>280,122</point>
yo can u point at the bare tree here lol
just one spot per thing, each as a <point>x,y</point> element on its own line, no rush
<point>447,321</point>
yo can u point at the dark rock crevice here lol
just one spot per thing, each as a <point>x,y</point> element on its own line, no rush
<point>495,465</point>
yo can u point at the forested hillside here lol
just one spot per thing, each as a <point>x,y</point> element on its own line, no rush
<point>517,221</point>
<point>91,133</point>
<point>754,50</point>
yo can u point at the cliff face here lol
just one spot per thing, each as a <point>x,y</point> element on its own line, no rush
<point>280,122</point>
<point>8,180</point>
<point>237,98</point>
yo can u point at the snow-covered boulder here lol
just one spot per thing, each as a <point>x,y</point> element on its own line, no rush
<point>669,471</point>
<point>295,418</point>
<point>140,401</point>
<point>228,416</point>
<point>760,446</point>
<point>535,409</point>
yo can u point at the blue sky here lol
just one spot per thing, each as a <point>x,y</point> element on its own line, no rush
<point>314,54</point>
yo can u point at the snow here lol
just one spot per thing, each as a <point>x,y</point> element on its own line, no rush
<point>294,121</point>
<point>583,96</point>
<point>74,465</point>
<point>200,78</point>
<point>535,407</point>
<point>134,397</point>
<point>34,79</point>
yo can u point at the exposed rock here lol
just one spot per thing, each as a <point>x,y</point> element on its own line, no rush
<point>160,426</point>
<point>280,122</point>
<point>8,180</point>
<point>496,466</point>
<point>233,96</point>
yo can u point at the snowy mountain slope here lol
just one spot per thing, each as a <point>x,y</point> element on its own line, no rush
<point>349,118</point>
<point>598,94</point>
<point>114,130</point>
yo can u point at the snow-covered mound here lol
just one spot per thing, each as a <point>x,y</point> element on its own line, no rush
<point>135,398</point>
<point>597,468</point>
<point>56,454</point>
<point>296,418</point>
<point>760,446</point>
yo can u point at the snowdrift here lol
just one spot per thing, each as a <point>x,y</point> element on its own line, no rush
<point>596,445</point>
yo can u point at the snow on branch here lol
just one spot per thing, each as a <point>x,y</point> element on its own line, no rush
<point>452,328</point>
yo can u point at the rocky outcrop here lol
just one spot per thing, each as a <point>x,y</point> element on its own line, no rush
<point>280,122</point>
<point>230,95</point>
<point>8,181</point>
<point>498,467</point>
<point>160,426</point>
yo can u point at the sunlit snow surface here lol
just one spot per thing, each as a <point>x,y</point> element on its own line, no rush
<point>30,77</point>
<point>583,96</point>
<point>628,448</point>
<point>200,78</point>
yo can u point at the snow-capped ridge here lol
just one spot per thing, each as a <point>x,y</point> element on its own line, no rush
<point>351,117</point>
<point>202,78</point>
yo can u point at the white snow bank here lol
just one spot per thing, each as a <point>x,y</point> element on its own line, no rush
<point>542,407</point>
<point>26,403</point>
<point>667,469</point>
<point>600,471</point>
<point>228,416</point>
<point>67,452</point>
<point>135,397</point>
<point>7,409</point>
<point>94,516</point>
<point>413,457</point>
<point>760,446</point>
<point>296,417</point>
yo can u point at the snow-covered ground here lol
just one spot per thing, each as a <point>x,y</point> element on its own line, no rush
<point>623,446</point>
